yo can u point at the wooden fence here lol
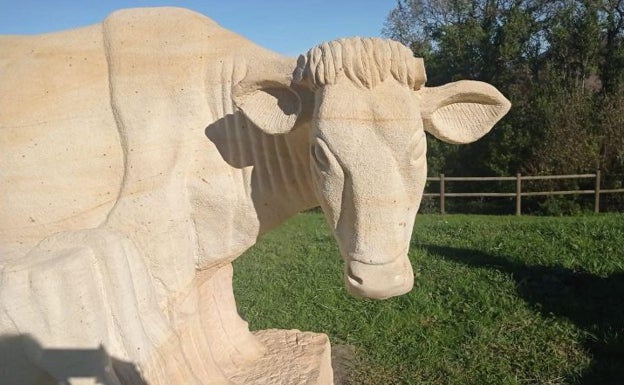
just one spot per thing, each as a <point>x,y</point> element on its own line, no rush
<point>518,194</point>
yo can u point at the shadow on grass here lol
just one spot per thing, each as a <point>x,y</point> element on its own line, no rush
<point>594,304</point>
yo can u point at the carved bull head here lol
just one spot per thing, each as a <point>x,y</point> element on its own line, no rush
<point>367,144</point>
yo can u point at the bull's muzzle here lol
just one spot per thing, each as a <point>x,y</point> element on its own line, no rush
<point>379,281</point>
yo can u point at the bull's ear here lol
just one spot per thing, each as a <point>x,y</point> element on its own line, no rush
<point>273,107</point>
<point>463,111</point>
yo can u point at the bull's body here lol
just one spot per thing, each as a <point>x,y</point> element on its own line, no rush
<point>99,134</point>
<point>128,128</point>
<point>141,156</point>
<point>65,176</point>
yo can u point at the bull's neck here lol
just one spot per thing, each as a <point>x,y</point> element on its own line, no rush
<point>273,171</point>
<point>281,184</point>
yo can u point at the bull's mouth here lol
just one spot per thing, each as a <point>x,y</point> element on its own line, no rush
<point>379,281</point>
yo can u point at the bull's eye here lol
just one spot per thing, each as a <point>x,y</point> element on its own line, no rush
<point>417,148</point>
<point>319,151</point>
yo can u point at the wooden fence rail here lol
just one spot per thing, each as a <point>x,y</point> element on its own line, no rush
<point>518,194</point>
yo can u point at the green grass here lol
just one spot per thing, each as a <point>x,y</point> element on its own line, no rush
<point>497,300</point>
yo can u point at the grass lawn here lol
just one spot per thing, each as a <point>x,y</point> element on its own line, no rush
<point>497,300</point>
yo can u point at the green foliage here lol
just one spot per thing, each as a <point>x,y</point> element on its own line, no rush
<point>561,63</point>
<point>497,300</point>
<point>556,207</point>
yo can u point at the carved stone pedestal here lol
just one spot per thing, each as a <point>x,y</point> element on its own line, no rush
<point>292,358</point>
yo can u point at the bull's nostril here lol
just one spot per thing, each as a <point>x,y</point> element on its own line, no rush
<point>353,276</point>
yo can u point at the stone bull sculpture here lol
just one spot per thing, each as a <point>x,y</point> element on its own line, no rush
<point>140,156</point>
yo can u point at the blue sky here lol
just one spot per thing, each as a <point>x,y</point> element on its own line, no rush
<point>289,27</point>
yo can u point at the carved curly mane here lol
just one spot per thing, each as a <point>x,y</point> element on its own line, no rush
<point>365,61</point>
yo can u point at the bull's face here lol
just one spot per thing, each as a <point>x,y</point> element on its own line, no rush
<point>367,144</point>
<point>369,168</point>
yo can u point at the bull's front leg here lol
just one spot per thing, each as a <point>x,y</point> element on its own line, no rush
<point>209,327</point>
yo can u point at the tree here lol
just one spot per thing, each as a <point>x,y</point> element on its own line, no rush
<point>560,62</point>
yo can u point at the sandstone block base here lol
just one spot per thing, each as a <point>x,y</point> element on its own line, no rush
<point>292,358</point>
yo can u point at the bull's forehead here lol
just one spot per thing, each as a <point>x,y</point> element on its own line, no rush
<point>350,119</point>
<point>390,100</point>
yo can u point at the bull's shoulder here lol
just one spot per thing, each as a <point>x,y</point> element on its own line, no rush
<point>161,17</point>
<point>167,30</point>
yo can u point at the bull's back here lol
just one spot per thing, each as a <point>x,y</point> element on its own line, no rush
<point>60,157</point>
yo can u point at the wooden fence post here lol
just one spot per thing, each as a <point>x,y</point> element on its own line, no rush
<point>442,202</point>
<point>518,194</point>
<point>597,193</point>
